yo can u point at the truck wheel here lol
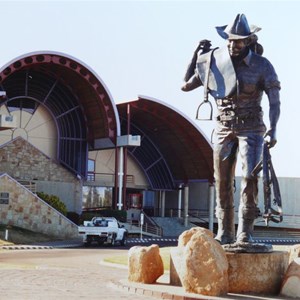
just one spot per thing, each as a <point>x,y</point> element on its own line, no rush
<point>87,244</point>
<point>113,240</point>
<point>124,240</point>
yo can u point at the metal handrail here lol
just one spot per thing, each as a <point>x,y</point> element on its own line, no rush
<point>30,185</point>
<point>147,228</point>
<point>109,177</point>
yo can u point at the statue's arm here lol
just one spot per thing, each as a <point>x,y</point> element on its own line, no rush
<point>191,78</point>
<point>274,113</point>
<point>192,84</point>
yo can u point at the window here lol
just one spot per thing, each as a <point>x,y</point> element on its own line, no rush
<point>4,198</point>
<point>91,170</point>
<point>96,197</point>
<point>28,105</point>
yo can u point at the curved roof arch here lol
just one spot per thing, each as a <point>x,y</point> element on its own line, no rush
<point>82,106</point>
<point>181,153</point>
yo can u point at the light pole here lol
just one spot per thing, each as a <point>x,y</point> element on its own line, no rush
<point>142,223</point>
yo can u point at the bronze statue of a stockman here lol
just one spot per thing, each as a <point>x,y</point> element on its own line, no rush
<point>236,76</point>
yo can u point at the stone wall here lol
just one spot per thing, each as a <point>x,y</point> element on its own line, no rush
<point>20,207</point>
<point>22,161</point>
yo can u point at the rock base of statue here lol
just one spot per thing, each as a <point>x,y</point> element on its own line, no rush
<point>248,248</point>
<point>258,273</point>
<point>248,273</point>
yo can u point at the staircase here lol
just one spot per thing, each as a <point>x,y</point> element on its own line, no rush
<point>146,230</point>
<point>172,227</point>
<point>268,233</point>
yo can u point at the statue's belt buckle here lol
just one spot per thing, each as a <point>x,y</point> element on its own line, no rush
<point>224,101</point>
<point>229,113</point>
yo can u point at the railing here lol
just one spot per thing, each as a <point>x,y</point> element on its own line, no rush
<point>30,185</point>
<point>150,223</point>
<point>152,229</point>
<point>106,177</point>
<point>196,213</point>
<point>146,228</point>
<point>288,219</point>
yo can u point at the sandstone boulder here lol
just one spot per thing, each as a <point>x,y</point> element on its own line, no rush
<point>200,263</point>
<point>291,281</point>
<point>145,264</point>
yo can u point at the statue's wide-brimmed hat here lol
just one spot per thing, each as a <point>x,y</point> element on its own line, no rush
<point>239,29</point>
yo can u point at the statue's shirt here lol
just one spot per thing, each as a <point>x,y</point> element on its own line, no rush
<point>255,75</point>
<point>249,79</point>
<point>238,88</point>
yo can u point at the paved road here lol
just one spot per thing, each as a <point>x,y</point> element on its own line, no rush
<point>78,273</point>
<point>171,241</point>
<point>162,242</point>
<point>61,274</point>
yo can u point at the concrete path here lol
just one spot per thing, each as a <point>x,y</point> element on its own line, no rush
<point>60,274</point>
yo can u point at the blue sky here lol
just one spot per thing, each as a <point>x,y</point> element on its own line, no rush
<point>143,48</point>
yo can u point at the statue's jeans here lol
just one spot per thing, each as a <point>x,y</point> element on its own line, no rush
<point>228,143</point>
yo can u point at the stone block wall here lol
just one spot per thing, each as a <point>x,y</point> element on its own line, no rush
<point>22,161</point>
<point>20,207</point>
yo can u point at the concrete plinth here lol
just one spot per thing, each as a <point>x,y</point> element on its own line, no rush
<point>175,267</point>
<point>258,273</point>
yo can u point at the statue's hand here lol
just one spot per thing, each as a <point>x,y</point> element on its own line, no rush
<point>184,88</point>
<point>270,137</point>
<point>203,44</point>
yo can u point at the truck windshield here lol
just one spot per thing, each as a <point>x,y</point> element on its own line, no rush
<point>101,223</point>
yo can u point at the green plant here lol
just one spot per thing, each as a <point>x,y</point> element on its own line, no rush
<point>54,201</point>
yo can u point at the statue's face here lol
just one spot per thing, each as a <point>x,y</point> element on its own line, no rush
<point>237,47</point>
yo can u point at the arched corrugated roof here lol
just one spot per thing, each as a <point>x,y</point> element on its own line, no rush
<point>173,150</point>
<point>83,110</point>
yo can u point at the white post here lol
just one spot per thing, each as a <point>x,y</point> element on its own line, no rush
<point>179,200</point>
<point>6,234</point>
<point>142,223</point>
<point>120,174</point>
<point>186,205</point>
<point>211,203</point>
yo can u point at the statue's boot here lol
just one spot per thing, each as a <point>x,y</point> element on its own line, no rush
<point>226,229</point>
<point>245,231</point>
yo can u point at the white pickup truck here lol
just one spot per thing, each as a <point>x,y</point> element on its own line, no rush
<point>103,230</point>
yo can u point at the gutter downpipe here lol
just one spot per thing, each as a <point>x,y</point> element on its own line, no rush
<point>186,205</point>
<point>116,177</point>
<point>120,176</point>
<point>125,160</point>
<point>179,200</point>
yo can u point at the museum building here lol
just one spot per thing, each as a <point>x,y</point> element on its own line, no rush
<point>62,134</point>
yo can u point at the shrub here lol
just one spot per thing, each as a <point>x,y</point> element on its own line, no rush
<point>54,201</point>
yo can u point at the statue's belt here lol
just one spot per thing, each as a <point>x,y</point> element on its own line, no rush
<point>240,116</point>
